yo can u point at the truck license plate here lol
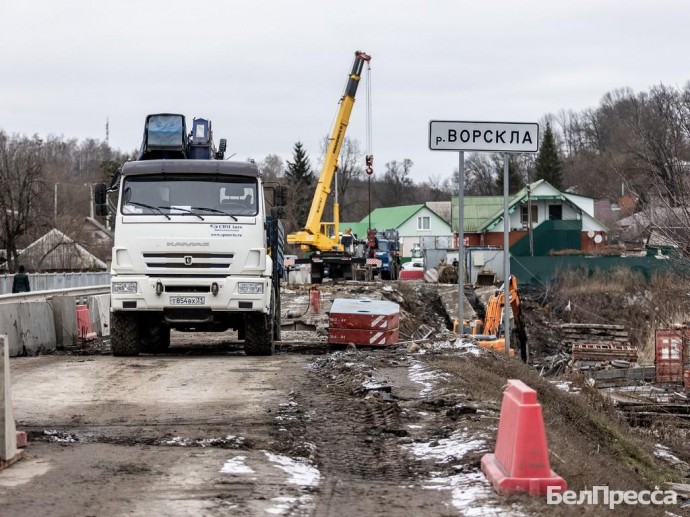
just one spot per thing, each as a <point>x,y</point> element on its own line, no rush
<point>186,300</point>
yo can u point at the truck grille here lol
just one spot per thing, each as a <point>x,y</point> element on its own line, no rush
<point>188,260</point>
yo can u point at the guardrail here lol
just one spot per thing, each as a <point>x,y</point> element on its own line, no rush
<point>48,281</point>
<point>38,296</point>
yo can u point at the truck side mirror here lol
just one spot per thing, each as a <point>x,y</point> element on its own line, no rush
<point>99,199</point>
<point>281,195</point>
<point>99,193</point>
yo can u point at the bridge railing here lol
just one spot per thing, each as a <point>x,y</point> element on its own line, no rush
<point>55,281</point>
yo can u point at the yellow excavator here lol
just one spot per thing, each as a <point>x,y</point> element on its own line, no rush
<point>490,333</point>
<point>332,254</point>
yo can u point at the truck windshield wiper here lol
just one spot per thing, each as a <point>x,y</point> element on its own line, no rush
<point>186,211</point>
<point>214,210</point>
<point>157,208</point>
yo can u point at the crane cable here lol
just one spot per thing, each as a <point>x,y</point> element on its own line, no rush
<point>369,144</point>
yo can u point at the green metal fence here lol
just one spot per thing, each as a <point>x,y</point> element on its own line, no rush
<point>540,270</point>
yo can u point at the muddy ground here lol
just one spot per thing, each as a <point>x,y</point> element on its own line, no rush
<point>205,430</point>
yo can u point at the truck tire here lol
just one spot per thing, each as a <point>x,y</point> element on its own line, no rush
<point>259,329</point>
<point>157,339</point>
<point>124,334</point>
<point>316,273</point>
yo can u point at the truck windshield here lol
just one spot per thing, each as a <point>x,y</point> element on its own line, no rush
<point>189,195</point>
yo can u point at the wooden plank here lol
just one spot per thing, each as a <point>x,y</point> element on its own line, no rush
<point>592,326</point>
<point>646,372</point>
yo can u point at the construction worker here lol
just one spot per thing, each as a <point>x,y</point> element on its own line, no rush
<point>20,284</point>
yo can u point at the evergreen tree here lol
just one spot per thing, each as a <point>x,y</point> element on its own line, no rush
<point>301,180</point>
<point>515,181</point>
<point>549,166</point>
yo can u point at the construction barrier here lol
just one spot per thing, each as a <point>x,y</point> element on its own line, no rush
<point>363,322</point>
<point>315,300</point>
<point>8,432</point>
<point>84,324</point>
<point>521,460</point>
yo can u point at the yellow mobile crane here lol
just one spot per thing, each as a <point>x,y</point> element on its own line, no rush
<point>323,238</point>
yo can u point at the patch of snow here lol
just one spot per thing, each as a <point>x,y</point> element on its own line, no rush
<point>460,345</point>
<point>415,426</point>
<point>178,440</point>
<point>283,504</point>
<point>446,449</point>
<point>59,436</point>
<point>424,377</point>
<point>301,471</point>
<point>563,385</point>
<point>471,494</point>
<point>372,384</point>
<point>664,453</point>
<point>231,439</point>
<point>236,465</point>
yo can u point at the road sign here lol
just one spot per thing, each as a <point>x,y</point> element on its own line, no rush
<point>506,137</point>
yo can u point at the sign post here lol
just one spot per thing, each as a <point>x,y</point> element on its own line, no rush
<point>503,137</point>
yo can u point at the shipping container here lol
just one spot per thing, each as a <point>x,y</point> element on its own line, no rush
<point>669,356</point>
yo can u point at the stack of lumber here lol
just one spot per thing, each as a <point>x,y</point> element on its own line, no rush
<point>593,334</point>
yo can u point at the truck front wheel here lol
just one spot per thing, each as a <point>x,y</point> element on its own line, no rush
<point>258,339</point>
<point>124,334</point>
<point>156,338</point>
<point>259,330</point>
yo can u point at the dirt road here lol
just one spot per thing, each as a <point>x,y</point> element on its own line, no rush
<point>216,433</point>
<point>205,430</point>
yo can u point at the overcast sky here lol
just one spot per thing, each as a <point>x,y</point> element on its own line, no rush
<point>270,73</point>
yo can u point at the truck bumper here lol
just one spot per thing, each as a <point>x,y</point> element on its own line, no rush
<point>216,294</point>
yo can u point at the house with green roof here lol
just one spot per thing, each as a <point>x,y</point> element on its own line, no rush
<point>559,220</point>
<point>414,223</point>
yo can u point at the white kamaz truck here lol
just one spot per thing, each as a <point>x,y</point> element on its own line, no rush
<point>198,243</point>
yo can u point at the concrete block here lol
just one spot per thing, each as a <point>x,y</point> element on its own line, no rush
<point>22,439</point>
<point>36,327</point>
<point>9,326</point>
<point>8,431</point>
<point>65,319</point>
<point>300,276</point>
<point>99,311</point>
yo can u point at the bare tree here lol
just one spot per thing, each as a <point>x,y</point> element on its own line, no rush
<point>21,184</point>
<point>396,182</point>
<point>273,167</point>
<point>480,175</point>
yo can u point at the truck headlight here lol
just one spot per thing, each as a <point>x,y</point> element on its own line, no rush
<point>250,288</point>
<point>124,287</point>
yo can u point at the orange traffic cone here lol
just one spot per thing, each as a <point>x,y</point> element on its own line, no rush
<point>521,460</point>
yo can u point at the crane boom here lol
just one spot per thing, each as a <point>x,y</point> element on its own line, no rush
<point>314,235</point>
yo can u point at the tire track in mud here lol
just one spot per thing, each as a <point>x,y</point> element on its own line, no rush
<point>350,426</point>
<point>350,431</point>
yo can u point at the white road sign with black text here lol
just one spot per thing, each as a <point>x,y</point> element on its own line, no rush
<point>510,137</point>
